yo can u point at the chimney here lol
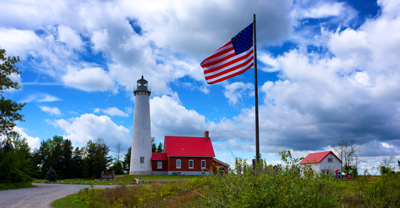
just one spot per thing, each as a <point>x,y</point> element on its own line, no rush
<point>206,135</point>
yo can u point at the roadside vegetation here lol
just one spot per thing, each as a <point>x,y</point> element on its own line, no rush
<point>267,188</point>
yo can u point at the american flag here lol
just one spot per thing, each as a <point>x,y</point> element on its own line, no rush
<point>232,59</point>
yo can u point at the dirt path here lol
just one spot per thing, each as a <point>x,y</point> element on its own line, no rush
<point>40,196</point>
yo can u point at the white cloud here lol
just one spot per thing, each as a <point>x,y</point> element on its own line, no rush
<point>40,97</point>
<point>33,142</point>
<point>235,91</point>
<point>70,37</point>
<point>19,42</point>
<point>91,127</point>
<point>112,111</point>
<point>51,110</point>
<point>88,79</point>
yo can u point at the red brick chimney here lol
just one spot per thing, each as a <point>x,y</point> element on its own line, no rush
<point>206,135</point>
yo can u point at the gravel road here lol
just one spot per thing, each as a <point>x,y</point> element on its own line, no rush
<point>40,196</point>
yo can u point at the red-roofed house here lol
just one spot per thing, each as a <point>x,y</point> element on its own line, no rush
<point>322,162</point>
<point>186,156</point>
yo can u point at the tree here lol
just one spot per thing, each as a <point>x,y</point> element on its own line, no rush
<point>117,168</point>
<point>153,144</point>
<point>127,160</point>
<point>385,166</point>
<point>97,159</point>
<point>347,152</point>
<point>159,148</point>
<point>8,108</point>
<point>77,164</point>
<point>15,163</point>
<point>51,175</point>
<point>66,159</point>
<point>118,150</point>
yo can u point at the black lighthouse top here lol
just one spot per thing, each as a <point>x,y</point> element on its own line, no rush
<point>142,86</point>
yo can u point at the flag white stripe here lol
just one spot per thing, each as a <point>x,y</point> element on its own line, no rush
<point>228,60</point>
<point>232,72</point>
<point>221,49</point>
<point>227,53</point>
<point>229,66</point>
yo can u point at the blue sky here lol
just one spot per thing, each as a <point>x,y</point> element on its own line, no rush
<point>328,70</point>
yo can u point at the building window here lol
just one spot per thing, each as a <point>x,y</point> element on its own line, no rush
<point>330,160</point>
<point>178,164</point>
<point>142,160</point>
<point>203,164</point>
<point>159,165</point>
<point>191,164</point>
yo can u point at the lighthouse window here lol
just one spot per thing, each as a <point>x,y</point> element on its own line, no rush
<point>191,164</point>
<point>139,84</point>
<point>178,164</point>
<point>145,85</point>
<point>142,160</point>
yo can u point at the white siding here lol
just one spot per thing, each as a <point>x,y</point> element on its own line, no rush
<point>324,165</point>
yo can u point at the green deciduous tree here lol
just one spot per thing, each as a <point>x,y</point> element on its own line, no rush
<point>8,109</point>
<point>15,163</point>
<point>153,144</point>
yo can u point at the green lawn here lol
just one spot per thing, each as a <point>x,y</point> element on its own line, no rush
<point>70,201</point>
<point>127,179</point>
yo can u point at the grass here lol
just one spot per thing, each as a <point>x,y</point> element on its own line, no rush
<point>127,179</point>
<point>70,201</point>
<point>8,186</point>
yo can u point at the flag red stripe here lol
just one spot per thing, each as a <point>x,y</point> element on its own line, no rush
<point>219,52</point>
<point>229,70</point>
<point>218,67</point>
<point>219,60</point>
<point>232,75</point>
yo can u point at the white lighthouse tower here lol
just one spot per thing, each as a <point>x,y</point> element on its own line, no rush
<point>141,136</point>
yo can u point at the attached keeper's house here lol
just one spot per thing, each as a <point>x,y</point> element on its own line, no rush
<point>322,162</point>
<point>186,156</point>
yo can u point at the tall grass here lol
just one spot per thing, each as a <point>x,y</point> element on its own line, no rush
<point>268,188</point>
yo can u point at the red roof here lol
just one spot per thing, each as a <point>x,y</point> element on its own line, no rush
<point>188,146</point>
<point>317,157</point>
<point>159,156</point>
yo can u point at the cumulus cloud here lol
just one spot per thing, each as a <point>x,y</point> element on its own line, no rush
<point>51,110</point>
<point>112,111</point>
<point>91,127</point>
<point>69,37</point>
<point>33,142</point>
<point>235,91</point>
<point>88,79</point>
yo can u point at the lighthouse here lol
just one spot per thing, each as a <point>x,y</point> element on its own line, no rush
<point>141,135</point>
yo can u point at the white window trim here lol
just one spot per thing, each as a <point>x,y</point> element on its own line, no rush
<point>180,164</point>
<point>189,164</point>
<point>331,159</point>
<point>205,164</point>
<point>159,167</point>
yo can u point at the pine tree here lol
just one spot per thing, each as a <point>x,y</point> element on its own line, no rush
<point>159,148</point>
<point>127,160</point>
<point>51,175</point>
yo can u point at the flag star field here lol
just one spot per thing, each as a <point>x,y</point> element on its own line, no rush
<point>327,71</point>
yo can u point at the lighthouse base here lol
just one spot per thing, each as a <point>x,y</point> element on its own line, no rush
<point>140,172</point>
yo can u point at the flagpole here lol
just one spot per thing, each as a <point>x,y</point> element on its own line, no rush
<point>256,90</point>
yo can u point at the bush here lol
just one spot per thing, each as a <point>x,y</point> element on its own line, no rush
<point>51,175</point>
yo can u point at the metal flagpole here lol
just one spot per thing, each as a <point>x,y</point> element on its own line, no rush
<point>256,89</point>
